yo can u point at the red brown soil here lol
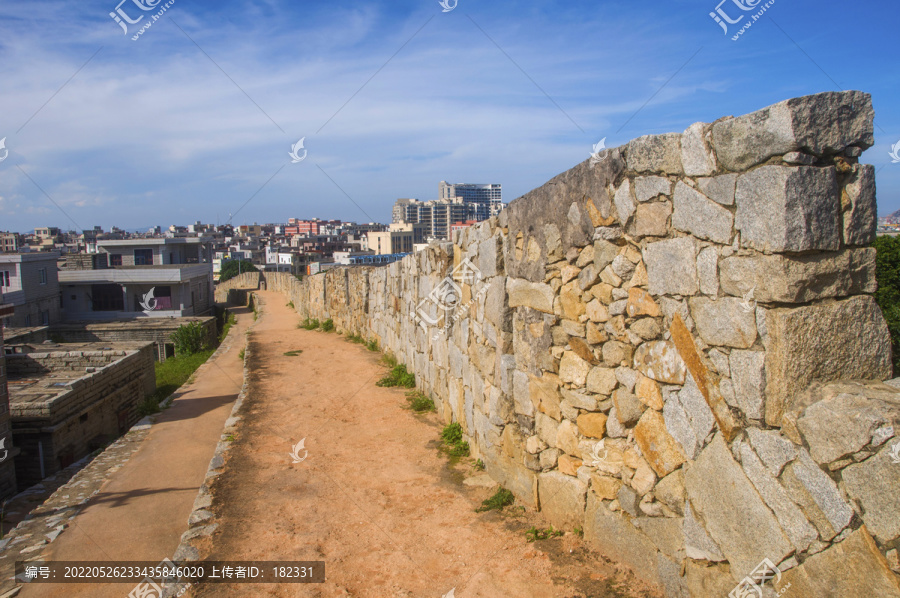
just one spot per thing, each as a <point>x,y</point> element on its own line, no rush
<point>376,498</point>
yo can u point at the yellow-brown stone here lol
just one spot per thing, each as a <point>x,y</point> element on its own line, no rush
<point>568,465</point>
<point>640,303</point>
<point>592,425</point>
<point>659,448</point>
<point>649,393</point>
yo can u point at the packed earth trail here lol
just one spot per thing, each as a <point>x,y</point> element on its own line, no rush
<point>373,495</point>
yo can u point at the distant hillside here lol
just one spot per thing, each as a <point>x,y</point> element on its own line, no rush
<point>893,215</point>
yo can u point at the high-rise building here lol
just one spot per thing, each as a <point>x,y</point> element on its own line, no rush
<point>457,203</point>
<point>487,198</point>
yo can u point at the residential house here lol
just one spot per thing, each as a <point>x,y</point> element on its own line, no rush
<point>29,282</point>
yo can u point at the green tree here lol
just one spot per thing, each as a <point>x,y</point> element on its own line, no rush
<point>887,272</point>
<point>232,269</point>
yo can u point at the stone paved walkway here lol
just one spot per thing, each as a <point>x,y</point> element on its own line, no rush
<point>133,500</point>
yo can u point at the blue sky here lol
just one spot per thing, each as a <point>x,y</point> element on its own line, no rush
<point>195,119</point>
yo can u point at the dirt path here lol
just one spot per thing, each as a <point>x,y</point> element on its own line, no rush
<point>142,510</point>
<point>375,499</point>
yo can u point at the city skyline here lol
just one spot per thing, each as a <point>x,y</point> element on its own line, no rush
<point>197,118</point>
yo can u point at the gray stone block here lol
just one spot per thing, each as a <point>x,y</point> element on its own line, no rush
<point>562,499</point>
<point>800,278</point>
<point>655,153</point>
<point>672,267</point>
<point>733,512</point>
<point>697,157</point>
<point>854,331</point>
<point>839,426</point>
<point>648,187</point>
<point>789,515</point>
<point>725,322</point>
<point>697,543</point>
<point>821,123</point>
<point>817,495</point>
<point>860,210</point>
<point>873,484</point>
<point>748,375</point>
<point>720,188</point>
<point>775,450</point>
<point>698,215</point>
<point>782,209</point>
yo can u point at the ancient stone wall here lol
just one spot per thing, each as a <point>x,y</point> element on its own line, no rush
<point>247,280</point>
<point>647,347</point>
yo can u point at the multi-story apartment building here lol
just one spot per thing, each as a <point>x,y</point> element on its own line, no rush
<point>11,242</point>
<point>487,198</point>
<point>7,465</point>
<point>29,283</point>
<point>399,239</point>
<point>172,276</point>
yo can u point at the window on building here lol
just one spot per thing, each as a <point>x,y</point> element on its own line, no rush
<point>115,259</point>
<point>4,278</point>
<point>42,272</point>
<point>143,257</point>
<point>107,297</point>
<point>28,320</point>
<point>45,318</point>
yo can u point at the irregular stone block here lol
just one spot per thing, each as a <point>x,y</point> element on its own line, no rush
<point>837,427</point>
<point>789,515</point>
<point>720,188</point>
<point>523,293</point>
<point>640,303</point>
<point>670,491</point>
<point>605,487</point>
<point>652,219</point>
<point>648,392</point>
<point>628,407</point>
<point>629,501</point>
<point>725,322</point>
<point>817,495</point>
<point>573,369</point>
<point>660,361</point>
<point>489,257</point>
<point>655,153</point>
<point>656,444</point>
<point>698,215</point>
<point>782,209</point>
<point>697,157</point>
<point>735,515</point>
<point>567,437</point>
<point>679,426</point>
<point>562,499</point>
<point>511,473</point>
<point>873,484</point>
<point>858,203</point>
<point>546,428</point>
<point>697,543</point>
<point>568,465</point>
<point>799,279</point>
<point>624,202</point>
<point>672,267</point>
<point>853,568</point>
<point>858,344</point>
<point>549,458</point>
<point>604,254</point>
<point>708,271</point>
<point>749,378</point>
<point>648,187</point>
<point>774,450</point>
<point>616,353</point>
<point>821,123</point>
<point>601,380</point>
<point>611,535</point>
<point>592,425</point>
